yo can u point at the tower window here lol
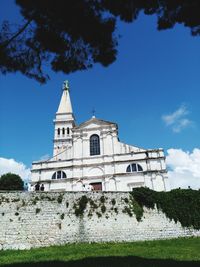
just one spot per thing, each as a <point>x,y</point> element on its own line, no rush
<point>58,131</point>
<point>134,167</point>
<point>59,175</point>
<point>67,130</point>
<point>63,131</point>
<point>94,145</point>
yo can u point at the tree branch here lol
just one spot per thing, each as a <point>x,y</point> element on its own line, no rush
<point>6,43</point>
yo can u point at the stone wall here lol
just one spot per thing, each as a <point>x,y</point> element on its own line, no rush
<point>43,219</point>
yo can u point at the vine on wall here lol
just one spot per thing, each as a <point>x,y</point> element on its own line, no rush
<point>181,205</point>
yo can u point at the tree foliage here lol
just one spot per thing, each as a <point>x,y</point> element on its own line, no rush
<point>11,181</point>
<point>75,34</point>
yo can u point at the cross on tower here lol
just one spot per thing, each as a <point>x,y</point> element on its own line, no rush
<point>93,112</point>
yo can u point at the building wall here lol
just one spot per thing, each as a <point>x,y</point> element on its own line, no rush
<point>112,162</point>
<point>45,219</point>
<point>124,182</point>
<point>100,168</point>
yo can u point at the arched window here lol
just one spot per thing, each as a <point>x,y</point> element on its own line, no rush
<point>59,175</point>
<point>63,131</point>
<point>134,167</point>
<point>139,168</point>
<point>128,169</point>
<point>94,145</point>
<point>58,131</point>
<point>67,130</point>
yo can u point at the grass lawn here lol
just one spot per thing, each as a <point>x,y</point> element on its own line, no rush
<point>177,252</point>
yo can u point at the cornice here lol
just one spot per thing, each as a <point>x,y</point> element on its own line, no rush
<point>74,166</point>
<point>111,175</point>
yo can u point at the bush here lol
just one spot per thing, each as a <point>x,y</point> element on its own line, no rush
<point>11,181</point>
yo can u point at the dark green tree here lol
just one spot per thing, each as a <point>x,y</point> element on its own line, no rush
<point>11,181</point>
<point>75,34</point>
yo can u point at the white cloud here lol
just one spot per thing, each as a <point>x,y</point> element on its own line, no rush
<point>10,165</point>
<point>183,123</point>
<point>184,168</point>
<point>177,120</point>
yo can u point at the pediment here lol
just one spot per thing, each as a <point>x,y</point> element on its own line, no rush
<point>94,123</point>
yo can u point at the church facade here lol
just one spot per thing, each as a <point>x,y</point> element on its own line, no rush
<point>90,156</point>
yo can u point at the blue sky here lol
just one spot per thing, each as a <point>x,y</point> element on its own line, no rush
<point>156,75</point>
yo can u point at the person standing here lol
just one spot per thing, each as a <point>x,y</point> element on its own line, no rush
<point>37,187</point>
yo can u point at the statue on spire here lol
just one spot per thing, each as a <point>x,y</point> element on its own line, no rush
<point>66,85</point>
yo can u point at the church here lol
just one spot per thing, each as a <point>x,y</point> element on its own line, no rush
<point>90,156</point>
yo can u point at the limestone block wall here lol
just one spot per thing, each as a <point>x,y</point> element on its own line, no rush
<point>33,219</point>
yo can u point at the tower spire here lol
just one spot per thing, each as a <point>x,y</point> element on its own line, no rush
<point>64,122</point>
<point>65,105</point>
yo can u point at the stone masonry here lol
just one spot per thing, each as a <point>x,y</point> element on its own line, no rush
<point>34,219</point>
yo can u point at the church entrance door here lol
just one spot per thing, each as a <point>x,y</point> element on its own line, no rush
<point>97,186</point>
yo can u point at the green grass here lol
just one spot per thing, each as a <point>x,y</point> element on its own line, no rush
<point>176,252</point>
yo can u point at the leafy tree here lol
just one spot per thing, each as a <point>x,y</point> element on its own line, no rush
<point>75,34</point>
<point>11,181</point>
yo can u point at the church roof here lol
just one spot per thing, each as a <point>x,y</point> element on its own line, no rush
<point>95,121</point>
<point>65,102</point>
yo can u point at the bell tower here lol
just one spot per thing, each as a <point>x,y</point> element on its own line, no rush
<point>64,122</point>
